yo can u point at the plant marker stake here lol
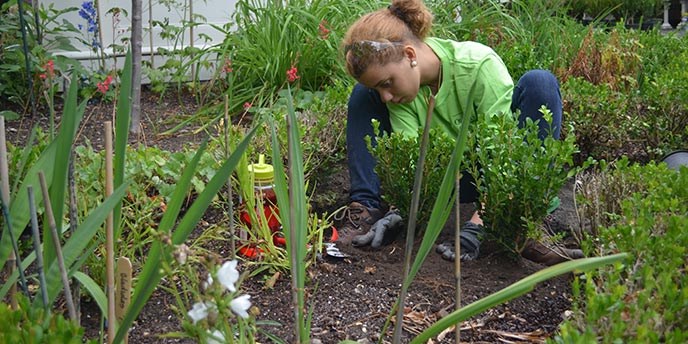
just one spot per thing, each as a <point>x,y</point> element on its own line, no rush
<point>37,246</point>
<point>411,229</point>
<point>457,256</point>
<point>123,296</point>
<point>4,176</point>
<point>15,249</point>
<point>58,248</point>
<point>109,236</point>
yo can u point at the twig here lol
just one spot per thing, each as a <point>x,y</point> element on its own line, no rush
<point>37,246</point>
<point>58,248</point>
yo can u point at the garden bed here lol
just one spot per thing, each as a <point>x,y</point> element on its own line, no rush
<point>350,297</point>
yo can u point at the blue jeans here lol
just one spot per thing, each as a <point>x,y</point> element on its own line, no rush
<point>534,89</point>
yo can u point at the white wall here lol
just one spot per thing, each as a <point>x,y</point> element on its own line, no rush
<point>113,29</point>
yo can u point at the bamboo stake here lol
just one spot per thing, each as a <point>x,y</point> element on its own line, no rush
<point>37,246</point>
<point>109,235</point>
<point>457,255</point>
<point>4,176</point>
<point>230,211</point>
<point>58,248</point>
<point>411,229</point>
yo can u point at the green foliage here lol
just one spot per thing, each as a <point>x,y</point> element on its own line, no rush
<point>35,325</point>
<point>629,10</point>
<point>623,95</point>
<point>517,176</point>
<point>397,157</point>
<point>645,214</point>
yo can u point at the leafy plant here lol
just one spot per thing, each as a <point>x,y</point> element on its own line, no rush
<point>640,300</point>
<point>36,325</point>
<point>517,175</point>
<point>397,157</point>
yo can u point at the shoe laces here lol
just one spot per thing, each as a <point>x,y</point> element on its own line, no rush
<point>352,214</point>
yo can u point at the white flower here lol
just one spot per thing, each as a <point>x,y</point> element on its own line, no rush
<point>228,275</point>
<point>199,311</point>
<point>240,305</point>
<point>208,282</point>
<point>216,337</point>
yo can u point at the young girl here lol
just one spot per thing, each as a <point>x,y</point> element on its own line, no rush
<point>399,68</point>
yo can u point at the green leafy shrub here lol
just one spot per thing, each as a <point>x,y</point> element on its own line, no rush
<point>518,176</point>
<point>34,325</point>
<point>643,211</point>
<point>397,156</point>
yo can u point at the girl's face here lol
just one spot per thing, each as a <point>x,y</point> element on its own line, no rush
<point>396,82</point>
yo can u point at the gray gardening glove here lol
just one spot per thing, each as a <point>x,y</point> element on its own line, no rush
<point>471,234</point>
<point>384,228</point>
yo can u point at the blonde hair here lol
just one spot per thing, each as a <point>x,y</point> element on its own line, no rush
<point>379,37</point>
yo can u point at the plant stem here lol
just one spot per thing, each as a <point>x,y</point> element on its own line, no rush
<point>411,229</point>
<point>109,235</point>
<point>457,255</point>
<point>73,222</point>
<point>37,246</point>
<point>58,248</point>
<point>27,60</point>
<point>230,202</point>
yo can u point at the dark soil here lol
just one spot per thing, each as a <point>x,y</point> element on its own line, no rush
<point>351,298</point>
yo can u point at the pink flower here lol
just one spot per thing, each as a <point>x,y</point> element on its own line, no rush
<point>324,31</point>
<point>105,85</point>
<point>292,74</point>
<point>49,68</point>
<point>227,68</point>
<point>247,106</point>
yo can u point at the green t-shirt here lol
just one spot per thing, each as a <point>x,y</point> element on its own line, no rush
<point>472,75</point>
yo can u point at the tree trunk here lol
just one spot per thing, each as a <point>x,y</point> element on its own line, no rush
<point>136,27</point>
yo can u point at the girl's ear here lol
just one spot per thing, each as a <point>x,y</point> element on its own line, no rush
<point>410,53</point>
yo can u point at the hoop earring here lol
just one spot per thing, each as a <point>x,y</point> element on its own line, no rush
<point>414,63</point>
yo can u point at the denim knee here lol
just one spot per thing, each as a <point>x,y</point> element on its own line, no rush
<point>534,89</point>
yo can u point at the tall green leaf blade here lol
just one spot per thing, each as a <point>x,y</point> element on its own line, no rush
<point>150,276</point>
<point>71,116</point>
<point>76,244</point>
<point>444,202</point>
<point>93,289</point>
<point>19,207</point>
<point>515,290</point>
<point>291,199</point>
<point>122,120</point>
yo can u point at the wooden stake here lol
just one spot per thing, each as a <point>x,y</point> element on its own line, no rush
<point>457,256</point>
<point>37,246</point>
<point>109,236</point>
<point>230,202</point>
<point>123,296</point>
<point>4,176</point>
<point>58,247</point>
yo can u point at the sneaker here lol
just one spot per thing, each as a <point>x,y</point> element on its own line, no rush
<point>540,253</point>
<point>357,221</point>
